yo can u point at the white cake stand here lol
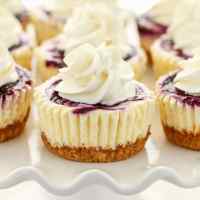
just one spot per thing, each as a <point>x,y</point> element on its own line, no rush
<point>25,158</point>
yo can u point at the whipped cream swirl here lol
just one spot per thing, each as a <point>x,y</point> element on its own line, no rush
<point>188,80</point>
<point>96,75</point>
<point>10,28</point>
<point>8,72</point>
<point>98,23</point>
<point>163,11</point>
<point>185,29</point>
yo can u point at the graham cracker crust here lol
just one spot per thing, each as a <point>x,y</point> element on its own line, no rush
<point>183,138</point>
<point>14,130</point>
<point>96,155</point>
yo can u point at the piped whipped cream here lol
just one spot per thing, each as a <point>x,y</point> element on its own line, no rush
<point>8,72</point>
<point>163,11</point>
<point>188,80</point>
<point>10,28</point>
<point>185,29</point>
<point>96,75</point>
<point>98,23</point>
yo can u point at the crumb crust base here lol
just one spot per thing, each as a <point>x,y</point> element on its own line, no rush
<point>97,155</point>
<point>13,130</point>
<point>182,138</point>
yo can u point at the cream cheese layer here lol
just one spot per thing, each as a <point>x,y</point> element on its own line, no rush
<point>178,115</point>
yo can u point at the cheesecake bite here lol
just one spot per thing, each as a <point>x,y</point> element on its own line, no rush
<point>15,97</point>
<point>93,110</point>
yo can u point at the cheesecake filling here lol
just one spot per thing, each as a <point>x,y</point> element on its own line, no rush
<point>102,128</point>
<point>74,124</point>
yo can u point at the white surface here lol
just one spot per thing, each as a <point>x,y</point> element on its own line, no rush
<point>159,191</point>
<point>26,158</point>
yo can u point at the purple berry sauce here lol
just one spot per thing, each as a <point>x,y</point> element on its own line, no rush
<point>167,88</point>
<point>10,89</point>
<point>82,108</point>
<point>169,45</point>
<point>149,27</point>
<point>56,56</point>
<point>23,40</point>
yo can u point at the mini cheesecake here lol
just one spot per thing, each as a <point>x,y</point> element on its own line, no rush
<point>179,102</point>
<point>15,98</point>
<point>94,120</point>
<point>93,133</point>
